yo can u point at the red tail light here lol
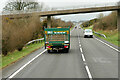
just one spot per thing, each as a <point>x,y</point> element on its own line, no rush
<point>46,42</point>
<point>48,47</point>
<point>65,46</point>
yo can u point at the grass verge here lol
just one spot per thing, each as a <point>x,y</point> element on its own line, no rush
<point>16,55</point>
<point>112,35</point>
<point>91,27</point>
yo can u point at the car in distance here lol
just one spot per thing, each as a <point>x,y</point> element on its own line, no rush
<point>75,27</point>
<point>88,33</point>
<point>79,27</point>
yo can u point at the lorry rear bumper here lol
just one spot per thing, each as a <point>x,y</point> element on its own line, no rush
<point>49,48</point>
<point>55,48</point>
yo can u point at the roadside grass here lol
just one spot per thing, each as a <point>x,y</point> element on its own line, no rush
<point>112,35</point>
<point>16,55</point>
<point>91,27</point>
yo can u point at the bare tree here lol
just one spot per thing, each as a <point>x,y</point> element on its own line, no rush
<point>25,5</point>
<point>20,5</point>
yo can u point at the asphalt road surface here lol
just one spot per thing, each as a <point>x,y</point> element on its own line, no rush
<point>87,58</point>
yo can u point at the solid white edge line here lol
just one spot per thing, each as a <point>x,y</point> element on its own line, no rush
<point>81,49</point>
<point>83,57</point>
<point>89,74</point>
<point>108,45</point>
<point>71,31</point>
<point>26,64</point>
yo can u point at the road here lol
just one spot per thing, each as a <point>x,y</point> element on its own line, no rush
<point>101,61</point>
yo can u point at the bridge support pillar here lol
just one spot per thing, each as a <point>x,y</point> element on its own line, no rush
<point>48,21</point>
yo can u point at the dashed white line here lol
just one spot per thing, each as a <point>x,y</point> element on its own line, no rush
<point>80,45</point>
<point>83,57</point>
<point>108,45</point>
<point>11,76</point>
<point>88,71</point>
<point>81,49</point>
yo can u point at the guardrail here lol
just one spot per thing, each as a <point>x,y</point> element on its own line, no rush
<point>35,41</point>
<point>100,34</point>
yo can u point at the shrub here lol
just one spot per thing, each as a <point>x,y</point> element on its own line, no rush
<point>17,32</point>
<point>107,23</point>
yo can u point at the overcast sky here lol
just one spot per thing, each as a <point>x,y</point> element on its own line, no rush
<point>68,4</point>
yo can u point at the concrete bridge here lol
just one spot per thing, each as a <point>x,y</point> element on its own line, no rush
<point>65,12</point>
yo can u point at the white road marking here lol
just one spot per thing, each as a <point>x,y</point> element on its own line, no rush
<point>81,49</point>
<point>83,57</point>
<point>80,45</point>
<point>88,71</point>
<point>108,45</point>
<point>11,76</point>
<point>71,32</point>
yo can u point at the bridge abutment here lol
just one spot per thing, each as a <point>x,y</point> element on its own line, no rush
<point>118,26</point>
<point>118,19</point>
<point>48,21</point>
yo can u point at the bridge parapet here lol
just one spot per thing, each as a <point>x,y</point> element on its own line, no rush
<point>62,12</point>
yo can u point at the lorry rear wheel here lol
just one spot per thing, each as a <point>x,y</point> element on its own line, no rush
<point>66,50</point>
<point>48,51</point>
<point>84,36</point>
<point>91,36</point>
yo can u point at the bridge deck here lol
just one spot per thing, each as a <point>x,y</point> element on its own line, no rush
<point>63,12</point>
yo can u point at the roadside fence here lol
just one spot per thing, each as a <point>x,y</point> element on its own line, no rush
<point>100,34</point>
<point>35,41</point>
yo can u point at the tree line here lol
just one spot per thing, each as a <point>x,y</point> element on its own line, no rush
<point>108,22</point>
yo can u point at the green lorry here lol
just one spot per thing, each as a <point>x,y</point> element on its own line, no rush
<point>57,39</point>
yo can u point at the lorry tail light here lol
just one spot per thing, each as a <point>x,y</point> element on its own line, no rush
<point>45,32</point>
<point>46,42</point>
<point>48,47</point>
<point>65,46</point>
<point>67,32</point>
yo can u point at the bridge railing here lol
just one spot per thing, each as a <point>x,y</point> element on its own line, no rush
<point>86,6</point>
<point>64,8</point>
